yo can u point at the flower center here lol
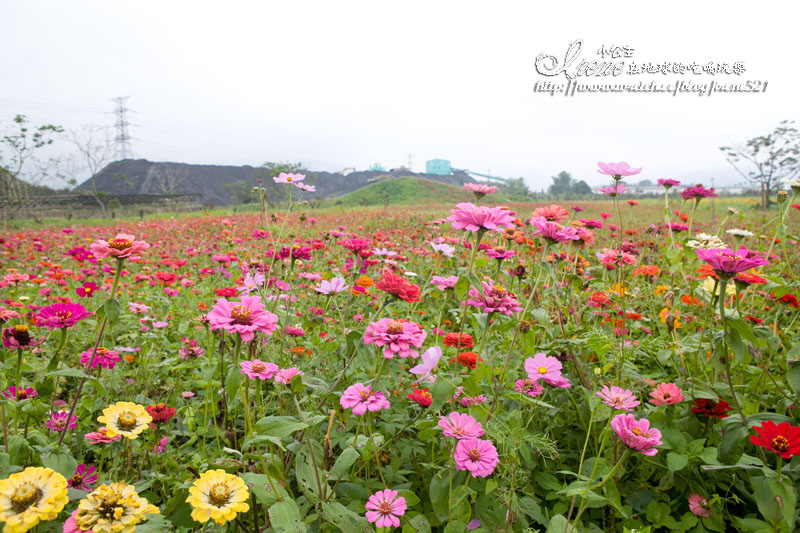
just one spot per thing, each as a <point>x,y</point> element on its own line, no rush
<point>24,497</point>
<point>21,334</point>
<point>101,350</point>
<point>120,244</point>
<point>542,370</point>
<point>639,433</point>
<point>219,495</point>
<point>395,327</point>
<point>240,314</point>
<point>259,367</point>
<point>780,443</point>
<point>64,314</point>
<point>22,395</point>
<point>474,454</point>
<point>385,508</point>
<point>365,393</point>
<point>127,421</point>
<point>76,480</point>
<point>110,507</point>
<point>289,179</point>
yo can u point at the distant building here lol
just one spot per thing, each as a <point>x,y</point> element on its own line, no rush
<point>377,167</point>
<point>440,167</point>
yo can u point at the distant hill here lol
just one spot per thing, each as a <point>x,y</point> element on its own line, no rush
<point>406,190</point>
<point>139,176</point>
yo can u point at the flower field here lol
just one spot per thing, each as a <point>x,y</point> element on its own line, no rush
<point>602,366</point>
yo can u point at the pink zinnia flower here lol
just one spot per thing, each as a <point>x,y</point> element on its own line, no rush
<point>384,507</point>
<point>528,386</point>
<point>494,299</point>
<point>356,245</point>
<point>727,262</point>
<point>668,183</point>
<point>613,258</point>
<point>543,367</point>
<point>460,426</point>
<point>161,447</point>
<point>613,190</point>
<point>397,336</point>
<point>58,421</point>
<point>552,213</point>
<point>666,394</point>
<point>16,394</point>
<point>286,375</point>
<point>19,337</point>
<point>637,434</point>
<point>285,177</point>
<point>243,317</point>
<point>71,526</point>
<point>122,246</point>
<point>618,398</point>
<point>473,218</point>
<point>699,505</point>
<point>257,369</point>
<point>83,478</point>
<point>335,285</point>
<point>553,232</point>
<point>362,398</point>
<point>444,282</point>
<point>478,457</point>
<point>617,169</point>
<point>104,357</point>
<point>100,436</point>
<point>59,316</point>
<point>697,192</point>
<point>480,190</point>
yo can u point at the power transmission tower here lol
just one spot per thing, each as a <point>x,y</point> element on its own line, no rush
<point>122,140</point>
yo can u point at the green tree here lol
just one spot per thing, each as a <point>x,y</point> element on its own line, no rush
<point>562,184</point>
<point>17,152</point>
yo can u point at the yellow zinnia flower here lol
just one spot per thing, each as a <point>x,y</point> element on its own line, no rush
<point>113,508</point>
<point>30,496</point>
<point>219,496</point>
<point>125,418</point>
<point>661,289</point>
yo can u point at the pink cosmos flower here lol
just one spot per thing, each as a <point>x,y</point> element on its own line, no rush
<point>104,357</point>
<point>304,187</point>
<point>613,258</point>
<point>460,426</point>
<point>727,262</point>
<point>361,398</point>
<point>637,434</point>
<point>84,477</point>
<point>617,169</point>
<point>668,183</point>
<point>528,386</point>
<point>17,394</point>
<point>257,369</point>
<point>473,218</point>
<point>543,367</point>
<point>666,394</point>
<point>397,336</point>
<point>552,213</point>
<point>120,247</point>
<point>444,249</point>
<point>478,457</point>
<point>444,282</point>
<point>286,375</point>
<point>553,232</point>
<point>285,177</point>
<point>494,299</point>
<point>618,398</point>
<point>480,189</point>
<point>384,507</point>
<point>430,360</point>
<point>101,436</point>
<point>60,315</point>
<point>243,317</point>
<point>58,421</point>
<point>699,505</point>
<point>613,190</point>
<point>334,286</point>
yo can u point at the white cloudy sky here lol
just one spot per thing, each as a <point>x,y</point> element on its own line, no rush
<point>346,84</point>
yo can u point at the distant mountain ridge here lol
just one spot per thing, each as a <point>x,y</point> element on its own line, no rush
<point>140,176</point>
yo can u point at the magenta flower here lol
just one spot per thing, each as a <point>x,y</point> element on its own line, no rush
<point>104,357</point>
<point>101,437</point>
<point>71,526</point>
<point>726,262</point>
<point>699,506</point>
<point>120,247</point>
<point>444,282</point>
<point>478,457</point>
<point>613,190</point>
<point>286,375</point>
<point>285,177</point>
<point>356,245</point>
<point>473,218</point>
<point>335,285</point>
<point>58,421</point>
<point>460,426</point>
<point>398,337</point>
<point>430,360</point>
<point>19,337</point>
<point>553,232</point>
<point>384,507</point>
<point>528,386</point>
<point>160,447</point>
<point>84,478</point>
<point>668,183</point>
<point>615,258</point>
<point>243,317</point>
<point>362,398</point>
<point>617,169</point>
<point>697,192</point>
<point>494,299</point>
<point>16,394</point>
<point>637,434</point>
<point>87,289</point>
<point>543,367</point>
<point>60,315</point>
<point>500,253</point>
<point>480,189</point>
<point>666,394</point>
<point>257,369</point>
<point>618,398</point>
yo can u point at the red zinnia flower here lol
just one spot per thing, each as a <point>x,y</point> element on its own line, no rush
<point>782,439</point>
<point>421,396</point>
<point>160,412</point>
<point>225,292</point>
<point>790,299</point>
<point>468,359</point>
<point>465,341</point>
<point>710,408</point>
<point>398,286</point>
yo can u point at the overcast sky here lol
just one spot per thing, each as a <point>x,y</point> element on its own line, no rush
<point>347,84</point>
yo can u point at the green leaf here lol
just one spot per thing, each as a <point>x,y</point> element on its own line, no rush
<point>411,497</point>
<point>232,382</point>
<point>279,426</point>
<point>731,447</point>
<point>306,478</point>
<point>461,288</point>
<point>69,373</point>
<point>155,523</point>
<point>676,461</point>
<point>793,376</point>
<point>774,497</point>
<point>284,517</point>
<point>558,524</point>
<point>343,518</point>
<point>344,462</point>
<point>262,490</point>
<point>111,310</point>
<point>61,462</point>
